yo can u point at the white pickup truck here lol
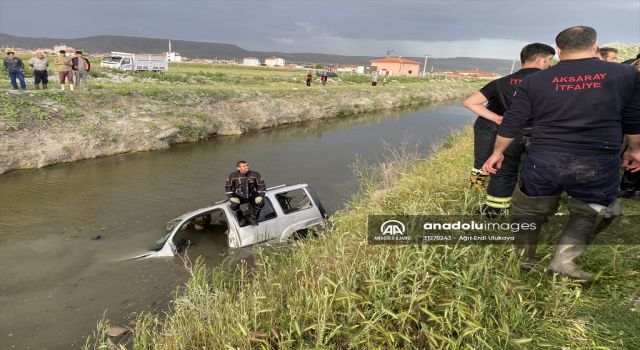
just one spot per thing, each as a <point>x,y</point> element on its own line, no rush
<point>136,62</point>
<point>288,210</point>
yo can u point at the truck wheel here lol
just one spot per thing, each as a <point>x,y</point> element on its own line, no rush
<point>299,234</point>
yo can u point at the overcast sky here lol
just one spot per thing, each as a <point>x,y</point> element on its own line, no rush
<point>478,28</point>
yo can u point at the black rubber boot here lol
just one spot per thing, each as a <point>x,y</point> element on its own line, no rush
<point>256,208</point>
<point>241,220</point>
<point>530,210</point>
<point>585,223</point>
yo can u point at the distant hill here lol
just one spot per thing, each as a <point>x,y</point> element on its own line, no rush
<point>193,49</point>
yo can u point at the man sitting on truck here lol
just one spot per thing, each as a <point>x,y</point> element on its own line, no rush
<point>245,186</point>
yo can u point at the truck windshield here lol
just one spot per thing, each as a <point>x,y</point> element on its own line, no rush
<point>112,59</point>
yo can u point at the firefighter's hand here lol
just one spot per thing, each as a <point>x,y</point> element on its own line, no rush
<point>234,200</point>
<point>493,163</point>
<point>631,160</point>
<point>258,200</point>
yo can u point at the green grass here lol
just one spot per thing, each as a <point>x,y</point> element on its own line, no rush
<point>14,107</point>
<point>196,132</point>
<point>338,292</point>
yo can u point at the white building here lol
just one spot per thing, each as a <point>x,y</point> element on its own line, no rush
<point>274,62</point>
<point>174,57</point>
<point>365,69</point>
<point>59,47</point>
<point>347,69</point>
<point>250,61</point>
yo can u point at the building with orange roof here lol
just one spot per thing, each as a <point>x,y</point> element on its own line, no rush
<point>397,66</point>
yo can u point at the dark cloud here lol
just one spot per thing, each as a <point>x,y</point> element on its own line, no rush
<point>295,25</point>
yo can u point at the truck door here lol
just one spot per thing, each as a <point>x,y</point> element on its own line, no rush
<point>126,64</point>
<point>267,228</point>
<point>299,211</point>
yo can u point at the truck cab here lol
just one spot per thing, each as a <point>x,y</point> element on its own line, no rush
<point>117,62</point>
<point>288,211</point>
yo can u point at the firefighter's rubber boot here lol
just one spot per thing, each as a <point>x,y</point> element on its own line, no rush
<point>62,87</point>
<point>71,86</point>
<point>478,179</point>
<point>587,220</point>
<point>44,86</point>
<point>532,211</point>
<point>37,86</point>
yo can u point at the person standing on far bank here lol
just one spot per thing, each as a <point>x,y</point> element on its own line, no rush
<point>63,67</point>
<point>324,79</point>
<point>309,78</point>
<point>40,64</point>
<point>15,68</point>
<point>81,67</point>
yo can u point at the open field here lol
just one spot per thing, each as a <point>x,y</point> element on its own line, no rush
<point>145,111</point>
<point>338,292</point>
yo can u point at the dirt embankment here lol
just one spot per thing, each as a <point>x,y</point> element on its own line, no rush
<point>38,129</point>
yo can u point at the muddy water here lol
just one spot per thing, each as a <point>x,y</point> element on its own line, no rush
<point>64,230</point>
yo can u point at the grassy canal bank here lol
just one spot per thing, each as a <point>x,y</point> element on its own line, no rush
<point>140,112</point>
<point>339,292</point>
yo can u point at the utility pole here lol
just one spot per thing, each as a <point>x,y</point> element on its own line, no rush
<point>513,65</point>
<point>426,58</point>
<point>389,52</point>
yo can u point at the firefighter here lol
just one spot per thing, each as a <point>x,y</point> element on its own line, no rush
<point>497,97</point>
<point>580,108</point>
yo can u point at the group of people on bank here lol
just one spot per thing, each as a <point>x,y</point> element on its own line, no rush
<point>324,78</point>
<point>66,66</point>
<point>545,130</point>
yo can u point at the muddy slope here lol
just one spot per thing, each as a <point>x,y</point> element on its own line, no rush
<point>38,129</point>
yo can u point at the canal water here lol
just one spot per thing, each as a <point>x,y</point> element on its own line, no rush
<point>65,229</point>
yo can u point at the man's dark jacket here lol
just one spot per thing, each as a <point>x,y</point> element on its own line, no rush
<point>74,63</point>
<point>244,186</point>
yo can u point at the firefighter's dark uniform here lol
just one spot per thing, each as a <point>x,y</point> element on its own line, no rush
<point>501,185</point>
<point>246,187</point>
<point>580,110</point>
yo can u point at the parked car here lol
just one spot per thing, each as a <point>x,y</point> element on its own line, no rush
<point>288,211</point>
<point>329,74</point>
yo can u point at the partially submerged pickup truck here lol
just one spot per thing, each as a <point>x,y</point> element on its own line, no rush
<point>288,211</point>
